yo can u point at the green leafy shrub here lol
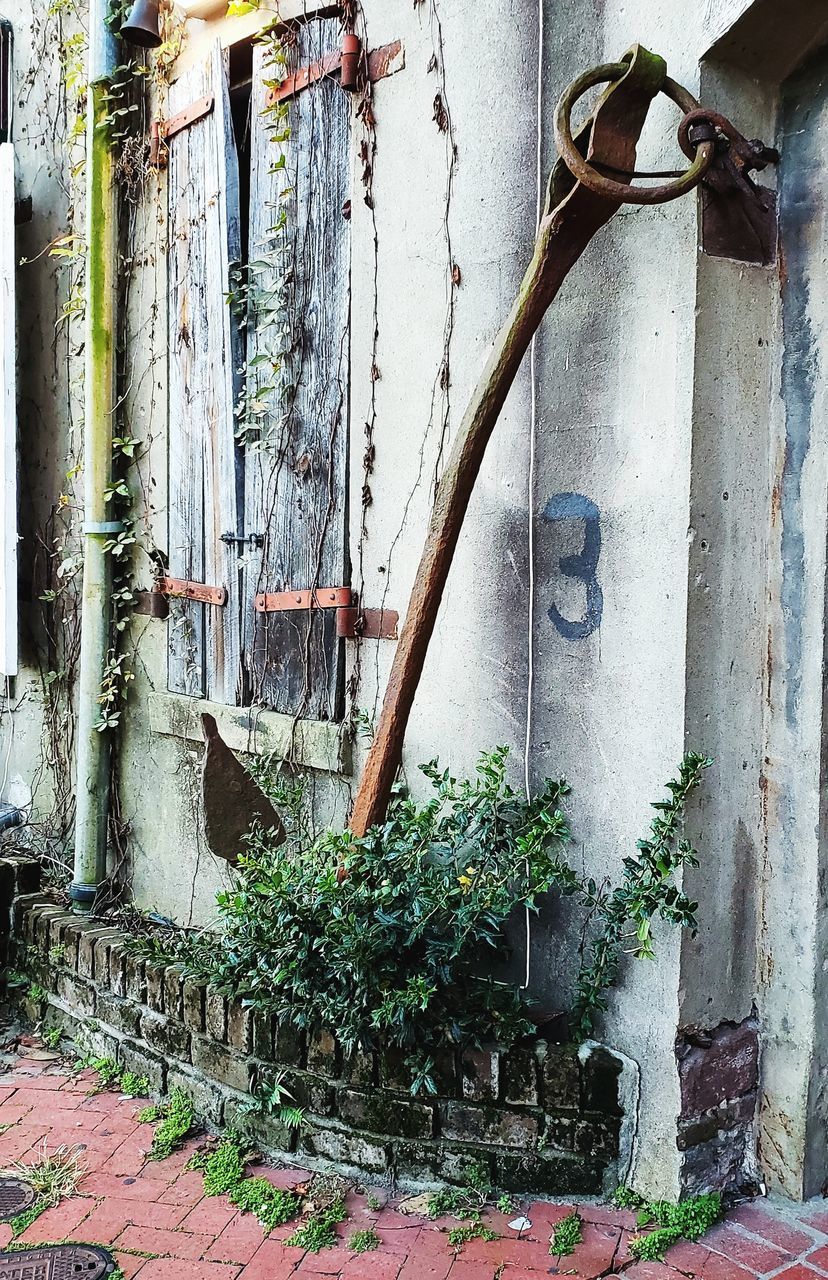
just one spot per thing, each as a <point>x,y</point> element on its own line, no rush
<point>224,1175</point>
<point>393,953</point>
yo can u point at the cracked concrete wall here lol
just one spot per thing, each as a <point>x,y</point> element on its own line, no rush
<point>652,381</point>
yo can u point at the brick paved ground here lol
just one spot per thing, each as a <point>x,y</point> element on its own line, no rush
<point>138,1209</point>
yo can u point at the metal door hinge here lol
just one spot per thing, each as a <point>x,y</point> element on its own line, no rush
<point>162,130</point>
<point>181,588</point>
<point>352,622</point>
<point>367,624</point>
<point>152,604</point>
<point>382,62</point>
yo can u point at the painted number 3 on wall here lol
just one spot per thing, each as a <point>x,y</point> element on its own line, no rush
<point>582,565</point>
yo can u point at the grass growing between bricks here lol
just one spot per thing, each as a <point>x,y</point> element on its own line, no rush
<point>53,1177</point>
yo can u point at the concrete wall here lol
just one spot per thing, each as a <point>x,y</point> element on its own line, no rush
<point>654,380</point>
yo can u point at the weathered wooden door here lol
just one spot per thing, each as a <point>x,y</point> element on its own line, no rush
<point>296,410</point>
<point>205,364</point>
<point>8,420</point>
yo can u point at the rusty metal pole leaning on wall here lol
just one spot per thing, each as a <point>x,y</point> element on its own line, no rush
<point>580,200</point>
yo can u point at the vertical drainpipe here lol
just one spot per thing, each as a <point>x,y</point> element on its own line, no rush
<point>94,748</point>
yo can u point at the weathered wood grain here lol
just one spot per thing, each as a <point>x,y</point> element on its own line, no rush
<point>205,363</point>
<point>296,477</point>
<point>8,420</point>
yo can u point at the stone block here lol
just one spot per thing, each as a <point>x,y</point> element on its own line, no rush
<point>154,974</point>
<point>166,1035</point>
<point>596,1136</point>
<point>601,1074</point>
<point>219,1064</point>
<point>193,998</point>
<point>117,967</point>
<point>351,1150</point>
<point>174,991</point>
<point>119,1014</point>
<point>457,1160</point>
<point>27,874</point>
<point>261,1034</point>
<point>143,1062</point>
<point>239,1022</point>
<point>288,1044</point>
<point>559,1131</point>
<point>480,1075</point>
<point>380,1113</point>
<point>206,1096</point>
<point>136,979</point>
<point>560,1078</point>
<point>548,1174</point>
<point>519,1076</point>
<point>71,938</point>
<point>89,936</point>
<point>78,994</point>
<point>717,1066</point>
<point>360,1067</point>
<point>488,1124</point>
<point>215,1015</point>
<point>266,1129</point>
<point>313,1093</point>
<point>322,1053</point>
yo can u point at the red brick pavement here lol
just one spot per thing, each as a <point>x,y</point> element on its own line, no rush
<point>158,1224</point>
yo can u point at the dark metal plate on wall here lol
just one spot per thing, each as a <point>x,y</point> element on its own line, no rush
<point>59,1262</point>
<point>15,1196</point>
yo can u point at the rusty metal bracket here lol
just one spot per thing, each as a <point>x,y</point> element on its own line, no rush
<point>162,130</point>
<point>738,216</point>
<point>152,604</point>
<point>382,62</point>
<point>367,624</point>
<point>183,589</point>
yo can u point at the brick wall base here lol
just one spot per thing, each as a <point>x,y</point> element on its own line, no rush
<point>540,1117</point>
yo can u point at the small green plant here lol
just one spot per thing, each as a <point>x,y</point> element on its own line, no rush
<point>55,955</point>
<point>274,1099</point>
<point>689,1220</point>
<point>318,1231</point>
<point>178,1121</point>
<point>151,1114</point>
<point>567,1235</point>
<point>458,1236</point>
<point>506,1204</point>
<point>224,1174</point>
<point>37,993</point>
<point>625,1198</point>
<point>134,1086</point>
<point>53,1037</point>
<point>372,1203</point>
<point>462,1202</point>
<point>364,1241</point>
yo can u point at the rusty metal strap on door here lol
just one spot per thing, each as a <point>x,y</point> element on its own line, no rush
<point>352,622</point>
<point>183,589</point>
<point>162,130</point>
<point>382,62</point>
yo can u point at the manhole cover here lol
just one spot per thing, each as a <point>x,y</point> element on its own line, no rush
<point>15,1196</point>
<point>61,1262</point>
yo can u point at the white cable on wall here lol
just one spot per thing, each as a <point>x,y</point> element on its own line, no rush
<point>533,412</point>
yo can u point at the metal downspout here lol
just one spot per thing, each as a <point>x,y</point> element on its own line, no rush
<point>94,747</point>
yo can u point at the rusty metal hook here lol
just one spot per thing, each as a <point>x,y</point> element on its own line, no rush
<point>702,155</point>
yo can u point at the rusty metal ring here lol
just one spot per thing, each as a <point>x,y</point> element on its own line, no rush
<point>623,191</point>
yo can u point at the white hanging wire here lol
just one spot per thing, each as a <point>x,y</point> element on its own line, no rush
<point>533,418</point>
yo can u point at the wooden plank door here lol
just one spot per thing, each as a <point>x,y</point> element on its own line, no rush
<point>298,378</point>
<point>8,420</point>
<point>205,360</point>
